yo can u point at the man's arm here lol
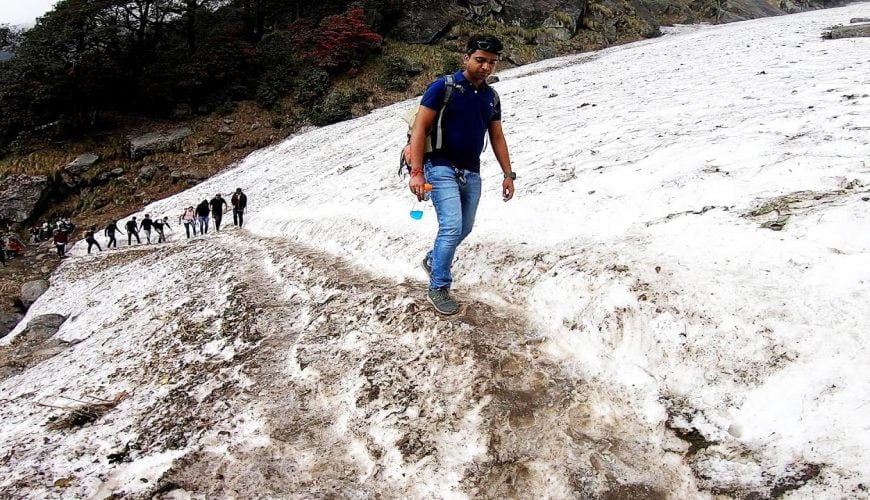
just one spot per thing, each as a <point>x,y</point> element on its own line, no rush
<point>500,148</point>
<point>422,124</point>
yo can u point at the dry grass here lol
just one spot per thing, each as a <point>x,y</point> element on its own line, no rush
<point>83,413</point>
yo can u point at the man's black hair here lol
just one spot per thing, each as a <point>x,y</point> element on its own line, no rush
<point>486,43</point>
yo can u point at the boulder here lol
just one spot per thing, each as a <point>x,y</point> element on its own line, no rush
<point>32,290</point>
<point>43,327</point>
<point>422,25</point>
<point>860,20</point>
<point>81,164</point>
<point>859,30</point>
<point>157,142</point>
<point>8,320</point>
<point>147,173</point>
<point>20,195</point>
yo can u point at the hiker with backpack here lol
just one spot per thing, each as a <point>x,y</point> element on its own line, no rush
<point>110,231</point>
<point>188,218</point>
<point>91,240</point>
<point>132,230</point>
<point>456,114</point>
<point>202,214</point>
<point>239,201</point>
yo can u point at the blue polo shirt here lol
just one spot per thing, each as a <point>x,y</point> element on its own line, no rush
<point>466,121</point>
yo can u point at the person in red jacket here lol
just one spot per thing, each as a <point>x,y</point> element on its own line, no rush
<point>61,238</point>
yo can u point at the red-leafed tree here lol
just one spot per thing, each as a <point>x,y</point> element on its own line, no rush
<point>338,41</point>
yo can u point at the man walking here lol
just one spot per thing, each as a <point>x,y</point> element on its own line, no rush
<point>146,226</point>
<point>159,226</point>
<point>110,231</point>
<point>91,239</point>
<point>239,201</point>
<point>202,215</point>
<point>132,230</point>
<point>473,110</point>
<point>60,240</point>
<point>218,204</point>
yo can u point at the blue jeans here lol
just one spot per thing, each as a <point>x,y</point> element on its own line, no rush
<point>455,205</point>
<point>203,224</point>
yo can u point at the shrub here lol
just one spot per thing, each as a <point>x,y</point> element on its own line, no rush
<point>335,107</point>
<point>313,84</point>
<point>339,41</point>
<point>394,74</point>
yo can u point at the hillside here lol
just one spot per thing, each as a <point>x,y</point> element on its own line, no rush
<point>672,306</point>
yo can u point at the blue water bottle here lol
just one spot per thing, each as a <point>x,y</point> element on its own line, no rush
<point>417,209</point>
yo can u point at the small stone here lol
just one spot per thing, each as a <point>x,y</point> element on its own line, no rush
<point>225,130</point>
<point>229,121</point>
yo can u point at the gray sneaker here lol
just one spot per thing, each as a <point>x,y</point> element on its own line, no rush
<point>442,302</point>
<point>427,266</point>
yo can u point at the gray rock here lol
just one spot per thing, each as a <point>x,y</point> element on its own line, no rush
<point>859,30</point>
<point>8,320</point>
<point>116,172</point>
<point>860,20</point>
<point>81,164</point>
<point>204,151</point>
<point>157,142</point>
<point>32,290</point>
<point>226,130</point>
<point>20,195</point>
<point>147,172</point>
<point>43,327</point>
<point>175,176</point>
<point>229,121</point>
<point>423,25</point>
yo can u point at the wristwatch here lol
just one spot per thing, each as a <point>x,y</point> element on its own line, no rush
<point>510,175</point>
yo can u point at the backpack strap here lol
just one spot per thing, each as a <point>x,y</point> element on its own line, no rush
<point>449,85</point>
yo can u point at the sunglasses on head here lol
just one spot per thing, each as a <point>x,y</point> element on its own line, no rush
<point>485,45</point>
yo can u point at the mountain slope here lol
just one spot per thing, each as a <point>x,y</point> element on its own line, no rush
<point>631,329</point>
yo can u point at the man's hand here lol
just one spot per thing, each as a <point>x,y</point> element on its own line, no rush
<point>507,189</point>
<point>416,185</point>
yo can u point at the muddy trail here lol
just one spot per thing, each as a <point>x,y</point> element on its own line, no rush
<point>356,388</point>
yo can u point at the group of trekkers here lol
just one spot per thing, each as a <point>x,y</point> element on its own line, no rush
<point>192,218</point>
<point>148,227</point>
<point>197,217</point>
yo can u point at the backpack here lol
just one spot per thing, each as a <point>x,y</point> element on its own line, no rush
<point>435,136</point>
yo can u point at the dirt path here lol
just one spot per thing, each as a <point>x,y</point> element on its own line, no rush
<point>359,389</point>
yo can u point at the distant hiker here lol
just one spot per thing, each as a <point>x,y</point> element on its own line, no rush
<point>239,202</point>
<point>146,226</point>
<point>45,232</point>
<point>60,240</point>
<point>34,234</point>
<point>218,204</point>
<point>188,218</point>
<point>132,230</point>
<point>202,213</point>
<point>110,231</point>
<point>159,224</point>
<point>453,167</point>
<point>91,240</point>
